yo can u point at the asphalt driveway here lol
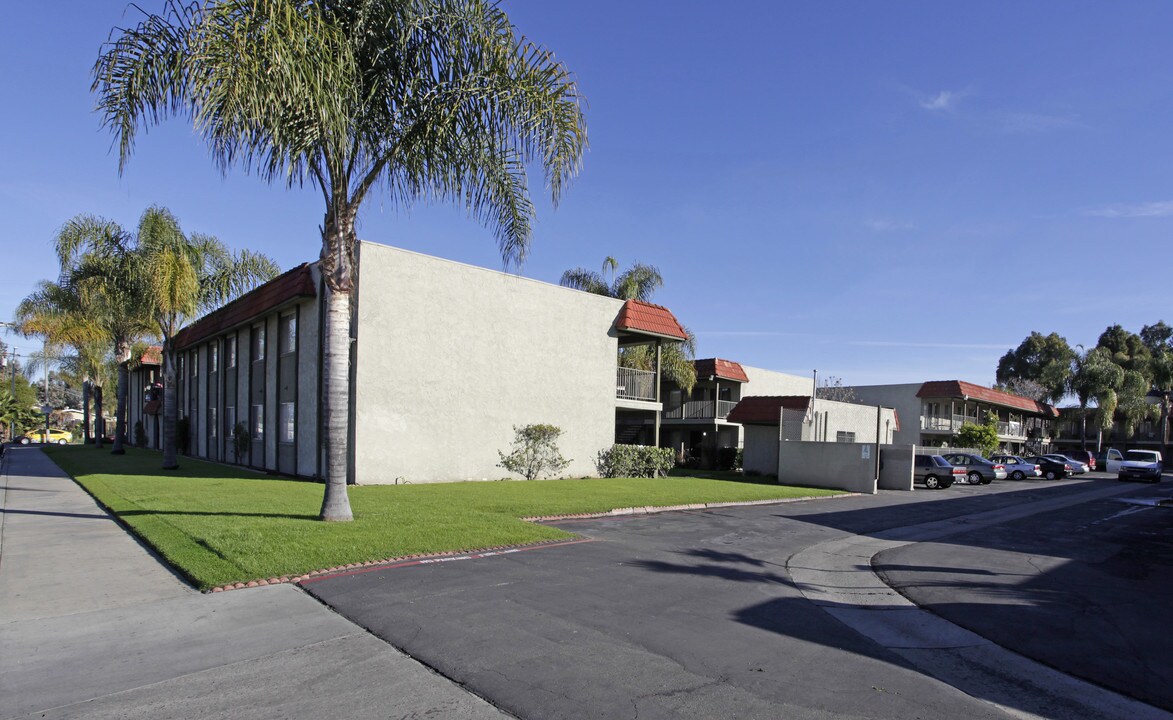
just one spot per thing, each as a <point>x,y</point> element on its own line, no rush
<point>689,614</point>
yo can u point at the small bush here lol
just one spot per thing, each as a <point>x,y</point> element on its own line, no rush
<point>240,440</point>
<point>634,461</point>
<point>535,452</point>
<point>183,435</point>
<point>140,434</point>
<point>728,458</point>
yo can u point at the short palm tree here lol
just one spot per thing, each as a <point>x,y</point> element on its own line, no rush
<point>1095,377</point>
<point>186,277</point>
<point>106,272</point>
<point>425,99</point>
<point>639,282</point>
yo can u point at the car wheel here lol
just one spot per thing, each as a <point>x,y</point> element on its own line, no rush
<point>61,441</point>
<point>974,477</point>
<point>932,483</point>
<point>24,441</point>
<point>1050,475</point>
<point>1017,475</point>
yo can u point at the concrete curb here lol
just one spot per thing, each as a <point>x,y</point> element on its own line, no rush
<point>617,512</point>
<point>653,509</point>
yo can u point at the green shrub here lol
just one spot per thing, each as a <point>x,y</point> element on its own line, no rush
<point>240,440</point>
<point>183,435</point>
<point>634,461</point>
<point>728,458</point>
<point>535,452</point>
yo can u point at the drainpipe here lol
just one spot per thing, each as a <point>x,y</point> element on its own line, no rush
<point>656,439</point>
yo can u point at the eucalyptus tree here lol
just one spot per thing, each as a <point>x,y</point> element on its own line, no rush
<point>1043,359</point>
<point>187,277</point>
<point>424,99</point>
<point>638,282</point>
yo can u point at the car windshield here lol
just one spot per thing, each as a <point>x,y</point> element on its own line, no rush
<point>1140,456</point>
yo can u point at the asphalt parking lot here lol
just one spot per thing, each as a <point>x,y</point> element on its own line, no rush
<point>694,614</point>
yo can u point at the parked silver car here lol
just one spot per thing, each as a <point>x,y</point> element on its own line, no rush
<point>977,468</point>
<point>1016,467</point>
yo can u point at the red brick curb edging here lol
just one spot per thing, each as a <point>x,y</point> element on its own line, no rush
<point>617,512</point>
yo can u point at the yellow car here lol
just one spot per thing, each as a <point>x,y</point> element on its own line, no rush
<point>61,437</point>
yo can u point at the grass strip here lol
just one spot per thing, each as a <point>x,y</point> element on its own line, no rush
<point>218,524</point>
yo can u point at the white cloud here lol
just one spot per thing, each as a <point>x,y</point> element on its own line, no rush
<point>1161,208</point>
<point>944,100</point>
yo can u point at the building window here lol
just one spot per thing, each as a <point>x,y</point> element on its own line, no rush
<point>212,428</point>
<point>286,422</point>
<point>258,422</point>
<point>258,343</point>
<point>844,437</point>
<point>230,352</point>
<point>213,359</point>
<point>288,334</point>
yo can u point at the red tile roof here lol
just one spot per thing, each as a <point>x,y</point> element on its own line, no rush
<point>962,389</point>
<point>716,367</point>
<point>298,282</point>
<point>766,409</point>
<point>645,318</point>
<point>152,356</point>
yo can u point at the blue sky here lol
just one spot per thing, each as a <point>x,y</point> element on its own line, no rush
<point>887,192</point>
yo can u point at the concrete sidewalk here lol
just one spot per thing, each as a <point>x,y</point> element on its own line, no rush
<point>93,625</point>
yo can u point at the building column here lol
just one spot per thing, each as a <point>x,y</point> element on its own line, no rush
<point>656,438</point>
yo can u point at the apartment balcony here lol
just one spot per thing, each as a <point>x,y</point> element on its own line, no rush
<point>632,384</point>
<point>700,410</point>
<point>944,423</point>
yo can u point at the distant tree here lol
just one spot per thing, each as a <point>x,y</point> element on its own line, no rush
<point>832,388</point>
<point>1044,359</point>
<point>1025,388</point>
<point>1128,350</point>
<point>1158,338</point>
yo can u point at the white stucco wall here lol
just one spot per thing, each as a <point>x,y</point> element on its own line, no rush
<point>903,398</point>
<point>768,382</point>
<point>450,357</point>
<point>760,452</point>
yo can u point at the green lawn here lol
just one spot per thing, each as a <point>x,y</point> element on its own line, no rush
<point>219,524</point>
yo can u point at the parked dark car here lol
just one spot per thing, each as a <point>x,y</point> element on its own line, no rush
<point>935,471</point>
<point>977,468</point>
<point>1052,469</point>
<point>1087,457</point>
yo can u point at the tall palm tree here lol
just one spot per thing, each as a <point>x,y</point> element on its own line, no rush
<point>92,367</point>
<point>108,275</point>
<point>639,282</point>
<point>186,277</point>
<point>429,99</point>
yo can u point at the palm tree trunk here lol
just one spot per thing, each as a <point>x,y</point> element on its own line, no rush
<point>85,412</point>
<point>99,418</point>
<point>170,408</point>
<point>123,357</point>
<point>337,264</point>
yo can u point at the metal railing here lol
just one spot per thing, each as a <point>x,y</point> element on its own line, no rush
<point>699,409</point>
<point>635,384</point>
<point>1011,429</point>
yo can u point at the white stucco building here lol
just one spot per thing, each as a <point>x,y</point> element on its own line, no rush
<point>447,359</point>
